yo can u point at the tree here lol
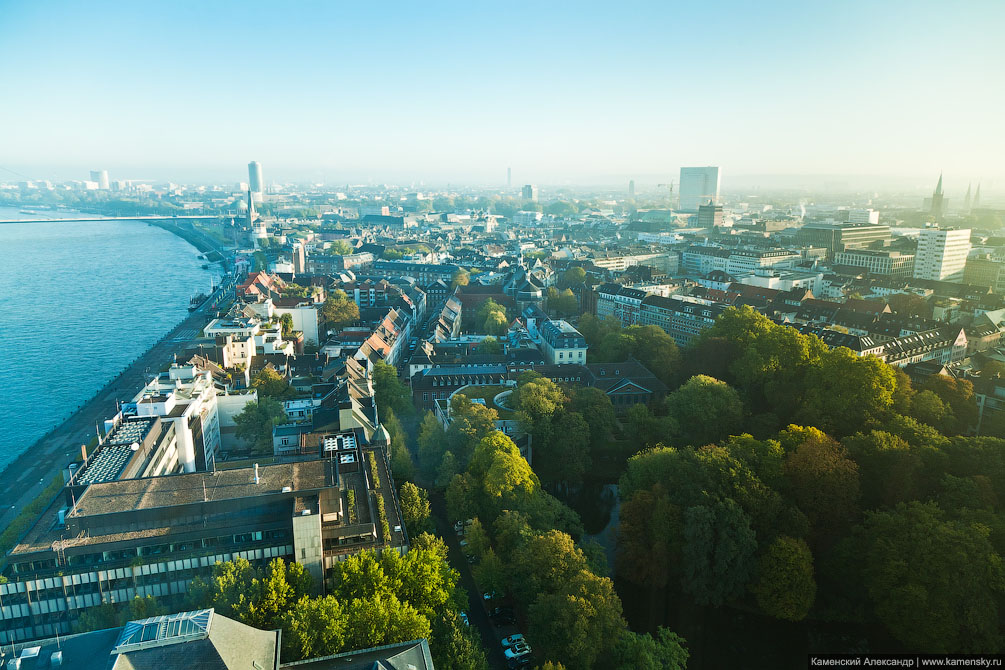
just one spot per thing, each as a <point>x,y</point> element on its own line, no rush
<point>573,277</point>
<point>643,652</point>
<point>449,467</point>
<point>496,324</point>
<point>339,310</point>
<point>824,482</point>
<point>490,573</point>
<point>845,391</point>
<point>909,305</point>
<point>579,624</point>
<point>270,384</point>
<point>287,322</point>
<point>785,588</point>
<point>563,303</point>
<point>460,278</point>
<point>929,408</point>
<point>460,496</point>
<point>254,423</point>
<point>402,466</point>
<point>706,410</point>
<point>314,627</point>
<point>958,395</point>
<point>934,583</point>
<point>432,444</point>
<point>649,538</point>
<point>456,646</point>
<point>718,551</point>
<point>470,423</point>
<point>595,406</point>
<point>415,508</point>
<point>342,248</point>
<point>389,391</point>
<point>490,346</point>
<point>545,563</point>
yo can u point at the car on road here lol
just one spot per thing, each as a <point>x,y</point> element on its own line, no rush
<point>502,615</point>
<point>517,650</point>
<point>512,639</point>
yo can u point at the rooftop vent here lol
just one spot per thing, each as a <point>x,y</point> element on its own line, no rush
<point>287,489</point>
<point>256,473</point>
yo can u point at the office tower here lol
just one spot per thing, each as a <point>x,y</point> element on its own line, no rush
<point>709,216</point>
<point>938,202</point>
<point>101,177</point>
<point>698,186</point>
<point>530,192</point>
<point>863,216</point>
<point>631,188</point>
<point>942,254</point>
<point>255,181</point>
<point>509,177</point>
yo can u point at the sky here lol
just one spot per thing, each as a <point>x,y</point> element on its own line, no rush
<point>562,92</point>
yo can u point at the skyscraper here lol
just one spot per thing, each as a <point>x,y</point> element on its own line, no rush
<point>101,177</point>
<point>631,188</point>
<point>255,182</point>
<point>942,254</point>
<point>698,186</point>
<point>530,192</point>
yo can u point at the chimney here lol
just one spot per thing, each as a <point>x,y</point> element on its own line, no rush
<point>256,473</point>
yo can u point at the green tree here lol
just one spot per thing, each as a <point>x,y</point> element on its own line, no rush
<point>578,625</point>
<point>649,538</point>
<point>415,508</point>
<point>460,278</point>
<point>824,482</point>
<point>544,563</point>
<point>718,552</point>
<point>496,324</point>
<point>270,384</point>
<point>706,410</point>
<point>286,320</point>
<point>844,391</point>
<point>456,646</point>
<point>934,583</point>
<point>389,391</point>
<point>667,651</point>
<point>339,310</point>
<point>432,442</point>
<point>573,277</point>
<point>490,346</point>
<point>342,248</point>
<point>461,497</point>
<point>785,587</point>
<point>402,466</point>
<point>470,423</point>
<point>254,423</point>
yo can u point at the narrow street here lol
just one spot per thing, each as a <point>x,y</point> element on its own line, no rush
<point>477,614</point>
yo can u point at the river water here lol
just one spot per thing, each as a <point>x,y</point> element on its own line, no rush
<point>78,302</point>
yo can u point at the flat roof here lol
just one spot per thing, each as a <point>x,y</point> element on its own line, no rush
<point>187,488</point>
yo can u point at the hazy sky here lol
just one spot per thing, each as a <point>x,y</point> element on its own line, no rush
<point>581,92</point>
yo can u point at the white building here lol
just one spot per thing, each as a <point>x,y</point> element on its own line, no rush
<point>186,397</point>
<point>942,254</point>
<point>863,216</point>
<point>698,186</point>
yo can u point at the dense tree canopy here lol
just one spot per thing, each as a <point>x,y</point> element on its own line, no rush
<point>254,423</point>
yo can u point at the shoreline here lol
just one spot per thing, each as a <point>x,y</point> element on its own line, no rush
<point>27,474</point>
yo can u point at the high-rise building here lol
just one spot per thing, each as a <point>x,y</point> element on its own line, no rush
<point>631,188</point>
<point>101,177</point>
<point>942,254</point>
<point>509,177</point>
<point>530,192</point>
<point>709,216</point>
<point>698,186</point>
<point>255,182</point>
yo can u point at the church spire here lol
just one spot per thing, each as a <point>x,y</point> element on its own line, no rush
<point>977,196</point>
<point>938,188</point>
<point>966,200</point>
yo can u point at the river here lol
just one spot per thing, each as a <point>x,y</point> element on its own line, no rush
<point>80,300</point>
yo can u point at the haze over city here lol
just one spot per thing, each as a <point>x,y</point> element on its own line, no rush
<point>456,92</point>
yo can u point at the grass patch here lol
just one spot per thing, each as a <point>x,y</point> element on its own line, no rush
<point>29,514</point>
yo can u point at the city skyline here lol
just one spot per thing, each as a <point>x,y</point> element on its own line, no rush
<point>461,94</point>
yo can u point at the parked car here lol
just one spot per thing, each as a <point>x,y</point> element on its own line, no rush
<point>518,662</point>
<point>459,527</point>
<point>502,615</point>
<point>512,639</point>
<point>517,650</point>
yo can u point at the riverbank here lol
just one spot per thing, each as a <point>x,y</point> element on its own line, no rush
<point>24,479</point>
